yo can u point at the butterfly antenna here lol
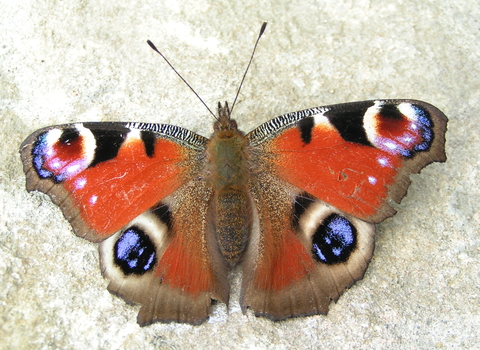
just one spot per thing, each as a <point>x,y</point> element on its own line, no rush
<point>262,29</point>
<point>161,54</point>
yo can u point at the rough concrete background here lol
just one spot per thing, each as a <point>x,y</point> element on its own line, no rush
<point>69,61</point>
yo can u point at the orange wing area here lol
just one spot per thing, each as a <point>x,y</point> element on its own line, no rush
<point>287,262</point>
<point>352,177</point>
<point>183,266</point>
<point>114,192</point>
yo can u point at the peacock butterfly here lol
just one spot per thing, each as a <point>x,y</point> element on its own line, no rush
<point>294,202</point>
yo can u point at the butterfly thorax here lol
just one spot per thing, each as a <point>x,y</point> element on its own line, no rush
<point>228,175</point>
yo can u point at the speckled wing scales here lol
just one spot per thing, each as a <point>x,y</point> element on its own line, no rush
<point>136,187</point>
<point>325,177</point>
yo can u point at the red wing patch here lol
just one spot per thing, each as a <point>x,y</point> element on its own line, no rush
<point>352,177</point>
<point>284,264</point>
<point>127,185</point>
<point>181,267</point>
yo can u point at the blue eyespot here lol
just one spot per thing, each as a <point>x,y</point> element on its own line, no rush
<point>38,153</point>
<point>134,252</point>
<point>334,240</point>
<point>423,118</point>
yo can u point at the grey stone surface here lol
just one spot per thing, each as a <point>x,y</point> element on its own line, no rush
<point>68,61</point>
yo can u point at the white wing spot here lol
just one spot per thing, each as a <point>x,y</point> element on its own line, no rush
<point>134,134</point>
<point>80,183</point>
<point>407,139</point>
<point>320,118</point>
<point>407,110</point>
<point>53,136</point>
<point>93,199</point>
<point>382,161</point>
<point>390,145</point>
<point>72,169</point>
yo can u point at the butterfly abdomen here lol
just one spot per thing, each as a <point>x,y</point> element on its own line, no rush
<point>232,222</point>
<point>229,178</point>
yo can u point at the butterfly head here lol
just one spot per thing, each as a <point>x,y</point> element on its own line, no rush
<point>224,122</point>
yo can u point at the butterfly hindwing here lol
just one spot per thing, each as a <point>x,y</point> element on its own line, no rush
<point>324,177</point>
<point>303,253</point>
<point>167,260</point>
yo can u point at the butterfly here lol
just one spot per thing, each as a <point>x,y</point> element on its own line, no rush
<point>293,203</point>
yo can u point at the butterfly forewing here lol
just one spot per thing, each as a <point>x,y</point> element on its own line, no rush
<point>355,156</point>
